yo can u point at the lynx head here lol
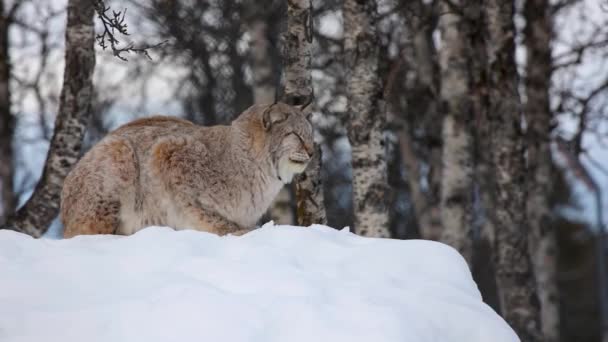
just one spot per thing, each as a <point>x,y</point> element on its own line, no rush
<point>289,136</point>
<point>291,139</point>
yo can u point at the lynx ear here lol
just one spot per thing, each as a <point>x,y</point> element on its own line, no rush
<point>270,117</point>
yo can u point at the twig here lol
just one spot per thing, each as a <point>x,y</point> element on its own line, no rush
<point>114,24</point>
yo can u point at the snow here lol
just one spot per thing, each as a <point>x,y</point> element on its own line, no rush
<point>277,283</point>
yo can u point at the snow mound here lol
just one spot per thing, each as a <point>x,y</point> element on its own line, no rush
<point>278,283</point>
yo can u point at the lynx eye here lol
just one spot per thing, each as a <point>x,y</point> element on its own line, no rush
<point>298,136</point>
<point>294,134</point>
<point>303,144</point>
<point>309,117</point>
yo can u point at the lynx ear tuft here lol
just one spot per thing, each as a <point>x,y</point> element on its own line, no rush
<point>270,117</point>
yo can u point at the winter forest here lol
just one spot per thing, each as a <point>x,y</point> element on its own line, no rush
<point>479,124</point>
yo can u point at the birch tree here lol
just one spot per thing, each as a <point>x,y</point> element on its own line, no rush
<point>7,200</point>
<point>367,118</point>
<point>74,110</point>
<point>514,277</point>
<point>264,91</point>
<point>483,245</point>
<point>422,96</point>
<point>297,90</point>
<point>261,62</point>
<point>543,249</point>
<point>457,169</point>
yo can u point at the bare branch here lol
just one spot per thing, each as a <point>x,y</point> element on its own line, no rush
<point>583,114</point>
<point>114,24</point>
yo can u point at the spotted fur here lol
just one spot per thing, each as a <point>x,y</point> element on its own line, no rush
<point>170,172</point>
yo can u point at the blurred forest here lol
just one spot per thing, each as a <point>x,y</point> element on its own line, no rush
<point>480,124</point>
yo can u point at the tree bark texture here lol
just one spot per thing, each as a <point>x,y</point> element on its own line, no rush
<point>74,111</point>
<point>261,63</point>
<point>7,197</point>
<point>297,90</point>
<point>426,211</point>
<point>367,119</point>
<point>515,281</point>
<point>480,102</point>
<point>310,207</point>
<point>423,102</point>
<point>543,248</point>
<point>457,168</point>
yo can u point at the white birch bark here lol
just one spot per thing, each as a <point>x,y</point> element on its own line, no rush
<point>7,122</point>
<point>457,167</point>
<point>297,84</point>
<point>74,111</point>
<point>367,119</point>
<point>261,67</point>
<point>514,273</point>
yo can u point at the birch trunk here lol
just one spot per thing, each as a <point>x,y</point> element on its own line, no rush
<point>7,200</point>
<point>483,243</point>
<point>281,211</point>
<point>297,84</point>
<point>423,101</point>
<point>427,213</point>
<point>456,196</point>
<point>543,249</point>
<point>515,281</point>
<point>261,63</point>
<point>74,111</point>
<point>367,119</point>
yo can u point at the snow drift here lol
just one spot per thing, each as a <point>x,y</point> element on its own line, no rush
<point>277,283</point>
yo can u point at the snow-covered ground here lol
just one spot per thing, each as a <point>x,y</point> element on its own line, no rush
<point>277,283</point>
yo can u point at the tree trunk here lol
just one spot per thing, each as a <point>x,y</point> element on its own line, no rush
<point>367,119</point>
<point>241,92</point>
<point>543,249</point>
<point>281,211</point>
<point>261,63</point>
<point>310,207</point>
<point>297,85</point>
<point>422,98</point>
<point>483,242</point>
<point>7,197</point>
<point>516,286</point>
<point>457,181</point>
<point>425,209</point>
<point>74,111</point>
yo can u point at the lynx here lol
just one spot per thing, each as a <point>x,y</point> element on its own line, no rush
<point>170,172</point>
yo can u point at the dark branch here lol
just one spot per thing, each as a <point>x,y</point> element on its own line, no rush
<point>114,24</point>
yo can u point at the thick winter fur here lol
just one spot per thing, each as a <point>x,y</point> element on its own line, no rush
<point>170,172</point>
